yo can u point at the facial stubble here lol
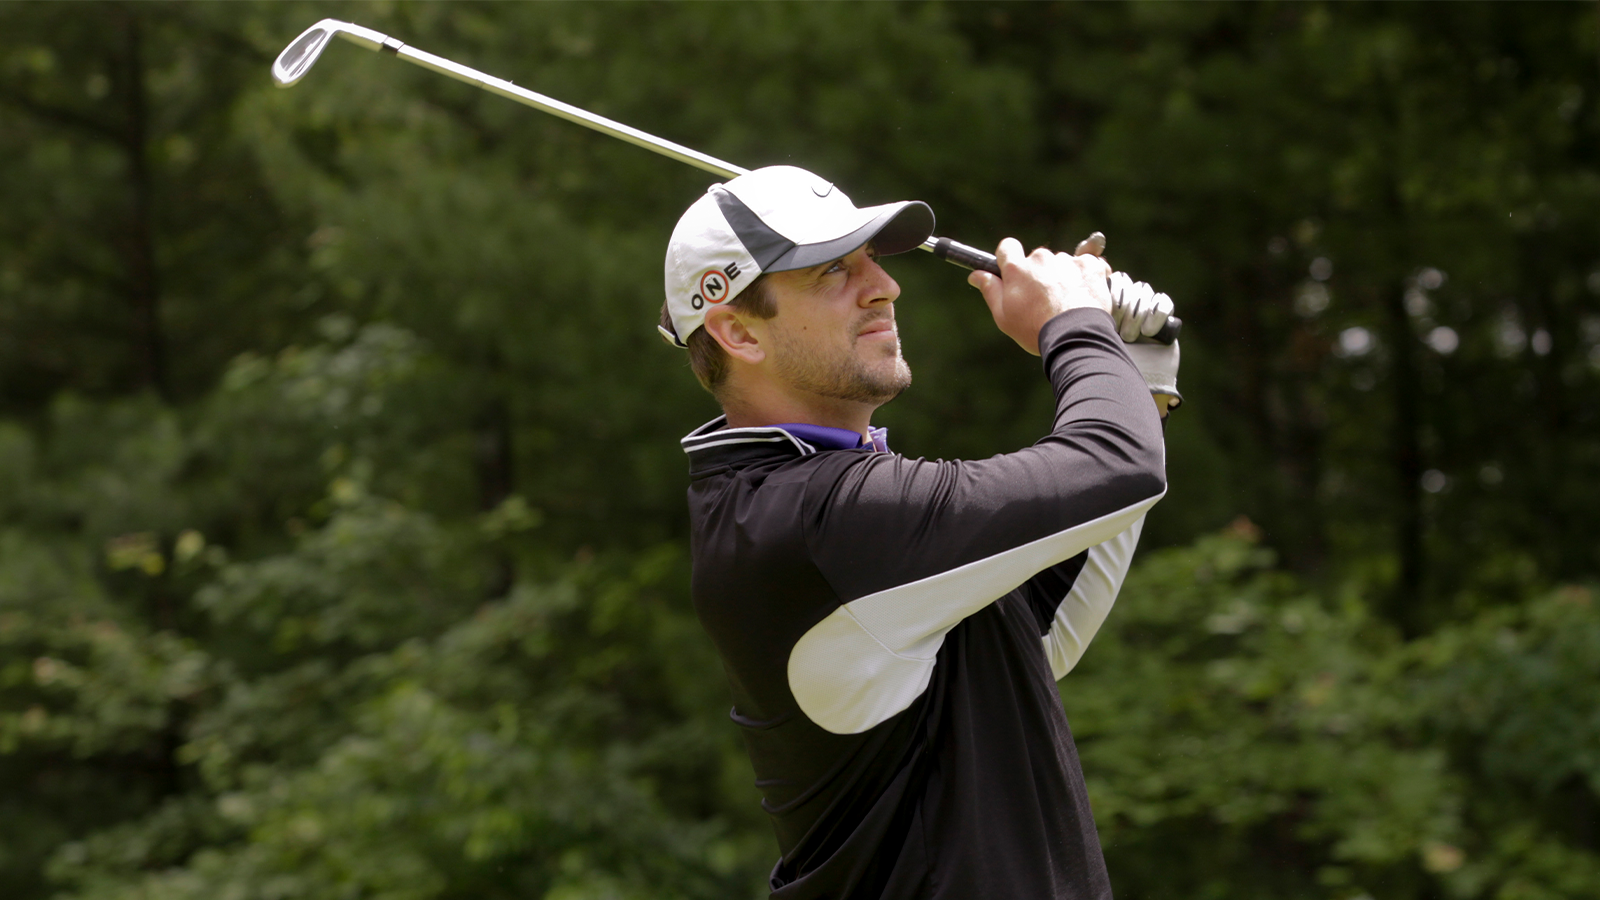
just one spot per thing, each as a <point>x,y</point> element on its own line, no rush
<point>837,371</point>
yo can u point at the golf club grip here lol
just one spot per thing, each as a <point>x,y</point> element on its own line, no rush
<point>973,258</point>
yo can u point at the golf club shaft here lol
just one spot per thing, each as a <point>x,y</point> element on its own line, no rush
<point>960,254</point>
<point>566,111</point>
<point>944,248</point>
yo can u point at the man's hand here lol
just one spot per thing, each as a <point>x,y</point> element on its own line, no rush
<point>1035,288</point>
<point>1139,312</point>
<point>1137,308</point>
<point>1158,363</point>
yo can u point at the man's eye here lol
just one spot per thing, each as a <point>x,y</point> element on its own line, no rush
<point>838,266</point>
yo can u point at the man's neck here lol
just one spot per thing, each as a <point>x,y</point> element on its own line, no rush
<point>848,415</point>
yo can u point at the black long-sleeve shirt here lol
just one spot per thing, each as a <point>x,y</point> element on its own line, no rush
<point>892,630</point>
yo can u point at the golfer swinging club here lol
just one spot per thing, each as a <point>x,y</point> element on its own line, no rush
<point>893,629</point>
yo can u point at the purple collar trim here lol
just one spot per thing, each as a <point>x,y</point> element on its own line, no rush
<point>825,437</point>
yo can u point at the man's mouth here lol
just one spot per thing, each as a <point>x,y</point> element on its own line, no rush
<point>877,327</point>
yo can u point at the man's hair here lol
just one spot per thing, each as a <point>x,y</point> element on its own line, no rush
<point>707,359</point>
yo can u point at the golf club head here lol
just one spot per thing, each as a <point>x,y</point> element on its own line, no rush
<point>301,54</point>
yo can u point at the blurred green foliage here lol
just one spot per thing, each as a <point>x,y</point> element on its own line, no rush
<point>1232,722</point>
<point>342,541</point>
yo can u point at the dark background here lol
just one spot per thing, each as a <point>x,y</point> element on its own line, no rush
<point>342,536</point>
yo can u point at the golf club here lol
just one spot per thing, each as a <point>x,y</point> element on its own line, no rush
<point>302,53</point>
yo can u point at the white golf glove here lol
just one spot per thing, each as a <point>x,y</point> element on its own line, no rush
<point>1136,308</point>
<point>1138,312</point>
<point>1158,363</point>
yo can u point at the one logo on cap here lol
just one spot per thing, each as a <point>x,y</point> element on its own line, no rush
<point>716,285</point>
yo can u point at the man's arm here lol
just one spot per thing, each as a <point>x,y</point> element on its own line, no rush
<point>913,547</point>
<point>1073,599</point>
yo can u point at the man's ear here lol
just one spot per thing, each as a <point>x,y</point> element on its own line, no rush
<point>728,328</point>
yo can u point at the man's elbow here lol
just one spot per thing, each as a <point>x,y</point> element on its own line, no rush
<point>1145,475</point>
<point>1143,484</point>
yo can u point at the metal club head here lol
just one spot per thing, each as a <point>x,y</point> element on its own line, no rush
<point>301,54</point>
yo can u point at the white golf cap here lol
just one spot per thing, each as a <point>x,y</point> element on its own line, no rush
<point>773,220</point>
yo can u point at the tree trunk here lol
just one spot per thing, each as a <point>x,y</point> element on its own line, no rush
<point>139,241</point>
<point>1408,601</point>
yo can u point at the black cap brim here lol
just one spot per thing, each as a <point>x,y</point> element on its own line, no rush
<point>901,227</point>
<point>897,228</point>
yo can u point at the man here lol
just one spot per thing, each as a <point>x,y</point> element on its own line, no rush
<point>892,629</point>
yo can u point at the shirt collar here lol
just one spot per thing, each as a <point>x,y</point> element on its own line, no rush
<point>806,438</point>
<point>826,437</point>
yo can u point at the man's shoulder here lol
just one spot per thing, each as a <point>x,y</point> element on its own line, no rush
<point>757,476</point>
<point>760,454</point>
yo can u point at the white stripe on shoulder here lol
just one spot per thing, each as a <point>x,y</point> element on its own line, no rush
<point>874,656</point>
<point>715,433</point>
<point>741,439</point>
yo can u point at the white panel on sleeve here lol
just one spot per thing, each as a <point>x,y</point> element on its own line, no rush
<point>872,657</point>
<point>1086,606</point>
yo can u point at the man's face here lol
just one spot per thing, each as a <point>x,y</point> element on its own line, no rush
<point>834,334</point>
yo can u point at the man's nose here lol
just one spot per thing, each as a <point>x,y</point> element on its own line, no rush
<point>880,288</point>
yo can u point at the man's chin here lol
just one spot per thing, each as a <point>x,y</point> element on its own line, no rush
<point>891,383</point>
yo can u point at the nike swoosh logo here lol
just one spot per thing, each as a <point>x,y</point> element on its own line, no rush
<point>822,193</point>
